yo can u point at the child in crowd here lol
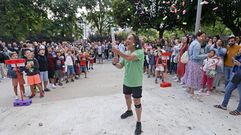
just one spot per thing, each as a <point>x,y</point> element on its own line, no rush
<point>51,66</point>
<point>152,63</point>
<point>69,65</point>
<point>32,72</point>
<point>41,55</point>
<point>13,75</point>
<point>76,64</point>
<point>209,71</point>
<point>146,61</point>
<point>59,68</point>
<point>83,58</point>
<point>92,57</point>
<point>159,68</point>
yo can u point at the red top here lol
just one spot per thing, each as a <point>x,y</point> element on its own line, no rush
<point>83,60</point>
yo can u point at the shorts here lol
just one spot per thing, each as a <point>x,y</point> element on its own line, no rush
<point>44,76</point>
<point>70,70</point>
<point>99,56</point>
<point>15,81</point>
<point>136,92</point>
<point>83,68</point>
<point>34,79</point>
<point>58,74</point>
<point>51,74</point>
<point>91,61</point>
<point>160,68</point>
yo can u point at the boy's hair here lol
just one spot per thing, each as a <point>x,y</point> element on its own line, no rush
<point>12,53</point>
<point>26,51</point>
<point>212,51</point>
<point>138,44</point>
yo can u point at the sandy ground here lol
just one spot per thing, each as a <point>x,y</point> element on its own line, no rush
<point>93,106</point>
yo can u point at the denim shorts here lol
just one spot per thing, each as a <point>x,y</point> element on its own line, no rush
<point>83,68</point>
<point>70,70</point>
<point>44,76</point>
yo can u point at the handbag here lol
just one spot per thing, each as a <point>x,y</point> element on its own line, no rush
<point>184,58</point>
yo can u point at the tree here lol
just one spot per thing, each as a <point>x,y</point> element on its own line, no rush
<point>160,15</point>
<point>100,17</point>
<point>45,19</point>
<point>230,13</point>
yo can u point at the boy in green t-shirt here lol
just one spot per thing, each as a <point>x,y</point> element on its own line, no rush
<point>133,62</point>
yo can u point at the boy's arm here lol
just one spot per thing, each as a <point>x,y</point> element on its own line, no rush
<point>128,57</point>
<point>36,64</point>
<point>35,51</point>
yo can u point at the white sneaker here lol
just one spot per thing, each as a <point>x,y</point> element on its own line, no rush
<point>201,90</point>
<point>182,83</point>
<point>208,93</point>
<point>54,86</point>
<point>16,97</point>
<point>176,80</point>
<point>175,77</point>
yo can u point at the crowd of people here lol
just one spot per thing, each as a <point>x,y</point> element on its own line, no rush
<point>199,63</point>
<point>48,65</point>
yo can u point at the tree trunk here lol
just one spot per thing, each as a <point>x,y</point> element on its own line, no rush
<point>161,32</point>
<point>236,31</point>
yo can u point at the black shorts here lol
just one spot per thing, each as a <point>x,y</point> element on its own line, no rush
<point>51,74</point>
<point>136,92</point>
<point>100,56</point>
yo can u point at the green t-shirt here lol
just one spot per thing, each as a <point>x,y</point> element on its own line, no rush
<point>134,69</point>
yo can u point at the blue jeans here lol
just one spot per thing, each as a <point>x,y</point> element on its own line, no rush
<point>227,74</point>
<point>228,92</point>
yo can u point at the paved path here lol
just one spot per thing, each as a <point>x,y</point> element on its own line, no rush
<point>92,106</point>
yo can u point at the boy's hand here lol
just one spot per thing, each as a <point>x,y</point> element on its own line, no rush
<point>115,60</point>
<point>237,63</point>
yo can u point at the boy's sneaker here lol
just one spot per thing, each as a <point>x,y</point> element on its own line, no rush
<point>67,81</point>
<point>138,130</point>
<point>47,90</point>
<point>16,98</point>
<point>41,94</point>
<point>126,114</point>
<point>201,90</point>
<point>208,93</point>
<point>76,77</point>
<point>72,80</point>
<point>32,95</point>
<point>182,83</point>
<point>54,86</point>
<point>60,84</point>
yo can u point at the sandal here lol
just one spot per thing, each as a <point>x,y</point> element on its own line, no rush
<point>220,107</point>
<point>235,113</point>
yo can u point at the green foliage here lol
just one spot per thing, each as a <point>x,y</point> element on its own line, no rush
<point>158,15</point>
<point>29,19</point>
<point>149,35</point>
<point>99,17</point>
<point>217,28</point>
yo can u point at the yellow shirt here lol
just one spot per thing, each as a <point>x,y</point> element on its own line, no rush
<point>231,52</point>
